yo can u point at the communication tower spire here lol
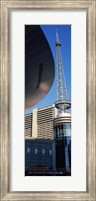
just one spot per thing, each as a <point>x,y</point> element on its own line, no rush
<point>62,102</point>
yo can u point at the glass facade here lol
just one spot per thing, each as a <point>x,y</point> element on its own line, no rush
<point>38,154</point>
<point>62,135</point>
<point>62,130</point>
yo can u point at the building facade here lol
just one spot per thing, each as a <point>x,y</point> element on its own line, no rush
<point>63,146</point>
<point>39,155</point>
<point>62,137</point>
<point>48,140</point>
<point>39,124</point>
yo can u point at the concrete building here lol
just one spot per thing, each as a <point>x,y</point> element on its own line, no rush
<point>39,124</point>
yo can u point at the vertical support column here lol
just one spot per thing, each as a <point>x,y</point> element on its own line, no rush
<point>34,124</point>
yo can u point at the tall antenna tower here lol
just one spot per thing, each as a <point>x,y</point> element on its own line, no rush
<point>62,102</point>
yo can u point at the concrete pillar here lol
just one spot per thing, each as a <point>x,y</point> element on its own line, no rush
<point>34,124</point>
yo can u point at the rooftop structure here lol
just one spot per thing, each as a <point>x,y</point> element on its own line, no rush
<point>39,65</point>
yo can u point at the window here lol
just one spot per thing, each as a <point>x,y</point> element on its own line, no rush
<point>50,152</point>
<point>36,151</point>
<point>43,151</point>
<point>28,150</point>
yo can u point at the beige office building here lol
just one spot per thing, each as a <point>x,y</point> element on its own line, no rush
<point>39,124</point>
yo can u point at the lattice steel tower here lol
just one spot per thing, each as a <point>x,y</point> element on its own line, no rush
<point>62,120</point>
<point>62,102</point>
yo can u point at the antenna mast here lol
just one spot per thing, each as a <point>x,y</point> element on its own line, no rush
<point>62,102</point>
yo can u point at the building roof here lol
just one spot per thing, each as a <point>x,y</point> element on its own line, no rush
<point>39,65</point>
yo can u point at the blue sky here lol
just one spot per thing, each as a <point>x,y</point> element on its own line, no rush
<point>64,32</point>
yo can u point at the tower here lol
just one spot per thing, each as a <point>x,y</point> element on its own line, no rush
<point>62,122</point>
<point>62,102</point>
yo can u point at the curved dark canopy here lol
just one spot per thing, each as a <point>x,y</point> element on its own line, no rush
<point>39,65</point>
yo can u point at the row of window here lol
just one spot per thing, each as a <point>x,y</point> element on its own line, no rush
<point>38,144</point>
<point>38,147</point>
<point>38,162</point>
<point>36,151</point>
